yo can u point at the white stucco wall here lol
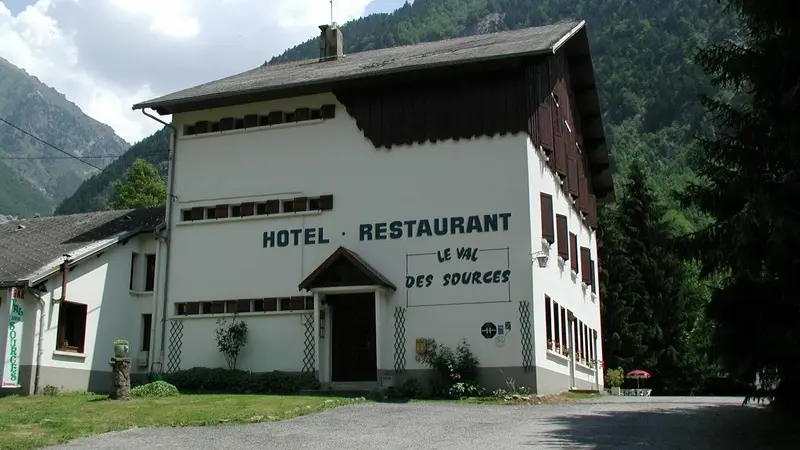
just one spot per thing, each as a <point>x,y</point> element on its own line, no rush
<point>555,280</point>
<point>101,282</point>
<point>225,259</point>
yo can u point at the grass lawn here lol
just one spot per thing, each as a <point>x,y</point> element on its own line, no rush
<point>36,421</point>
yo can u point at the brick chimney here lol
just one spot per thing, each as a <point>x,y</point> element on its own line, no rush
<point>330,42</point>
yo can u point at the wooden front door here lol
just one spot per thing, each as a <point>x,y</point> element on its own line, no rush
<point>353,349</point>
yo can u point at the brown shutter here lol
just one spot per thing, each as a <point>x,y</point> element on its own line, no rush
<point>561,156</point>
<point>548,231</point>
<point>273,206</point>
<point>300,204</point>
<point>563,236</point>
<point>591,215</point>
<point>197,213</point>
<point>586,257</point>
<point>545,121</point>
<point>326,202</point>
<point>594,280</point>
<point>572,176</point>
<point>221,211</point>
<point>247,209</point>
<point>573,252</point>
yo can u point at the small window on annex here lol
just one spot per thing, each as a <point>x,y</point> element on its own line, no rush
<point>71,327</point>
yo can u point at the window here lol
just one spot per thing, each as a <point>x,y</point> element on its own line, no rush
<point>150,280</point>
<point>548,230</point>
<point>548,316</point>
<point>563,236</point>
<point>147,323</point>
<point>564,326</point>
<point>134,260</point>
<point>71,327</point>
<point>288,206</point>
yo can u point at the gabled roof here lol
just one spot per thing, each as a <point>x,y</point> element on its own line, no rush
<point>30,248</point>
<point>284,79</point>
<point>356,264</point>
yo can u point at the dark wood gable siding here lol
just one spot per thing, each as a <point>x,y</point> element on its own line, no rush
<point>532,96</point>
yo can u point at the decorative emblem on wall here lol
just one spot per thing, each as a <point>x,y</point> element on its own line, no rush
<point>488,330</point>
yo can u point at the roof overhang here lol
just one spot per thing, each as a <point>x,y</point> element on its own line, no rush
<point>310,87</point>
<point>76,257</point>
<point>358,266</point>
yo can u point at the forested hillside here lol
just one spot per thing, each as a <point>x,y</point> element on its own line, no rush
<point>33,176</point>
<point>95,193</point>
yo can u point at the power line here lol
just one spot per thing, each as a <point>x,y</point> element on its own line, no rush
<point>25,158</point>
<point>48,144</point>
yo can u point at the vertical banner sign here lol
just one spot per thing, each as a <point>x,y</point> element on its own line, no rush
<point>14,338</point>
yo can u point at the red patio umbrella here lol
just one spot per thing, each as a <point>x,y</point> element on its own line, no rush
<point>637,375</point>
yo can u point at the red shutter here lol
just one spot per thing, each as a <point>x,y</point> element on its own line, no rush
<point>586,271</point>
<point>548,231</point>
<point>248,209</point>
<point>563,236</point>
<point>573,252</point>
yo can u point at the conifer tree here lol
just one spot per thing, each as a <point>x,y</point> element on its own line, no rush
<point>749,169</point>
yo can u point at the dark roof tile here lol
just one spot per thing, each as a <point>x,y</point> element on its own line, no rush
<point>29,245</point>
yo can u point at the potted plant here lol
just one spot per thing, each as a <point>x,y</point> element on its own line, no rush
<point>565,351</point>
<point>614,378</point>
<point>121,348</point>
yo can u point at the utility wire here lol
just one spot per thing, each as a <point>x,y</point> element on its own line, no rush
<point>25,158</point>
<point>48,144</point>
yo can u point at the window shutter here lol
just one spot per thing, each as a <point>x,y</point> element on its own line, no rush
<point>197,213</point>
<point>544,117</point>
<point>573,252</point>
<point>221,211</point>
<point>594,279</point>
<point>247,209</point>
<point>326,202</point>
<point>300,204</point>
<point>572,176</point>
<point>563,236</point>
<point>273,206</point>
<point>561,155</point>
<point>591,216</point>
<point>548,231</point>
<point>586,275</point>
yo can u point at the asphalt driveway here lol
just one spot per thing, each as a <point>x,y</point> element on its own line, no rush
<point>606,423</point>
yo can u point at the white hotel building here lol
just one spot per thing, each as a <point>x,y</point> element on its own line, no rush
<point>349,206</point>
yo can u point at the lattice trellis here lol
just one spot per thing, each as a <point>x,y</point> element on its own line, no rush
<point>309,350</point>
<point>525,334</point>
<point>399,339</point>
<point>175,345</point>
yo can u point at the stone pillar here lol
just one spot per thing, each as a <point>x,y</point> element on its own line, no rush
<point>121,378</point>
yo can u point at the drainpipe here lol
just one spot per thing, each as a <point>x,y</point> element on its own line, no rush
<point>173,141</point>
<point>39,341</point>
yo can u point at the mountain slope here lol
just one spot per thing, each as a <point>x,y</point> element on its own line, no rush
<point>648,85</point>
<point>37,177</point>
<point>95,193</point>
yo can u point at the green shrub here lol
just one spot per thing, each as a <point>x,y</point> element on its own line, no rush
<point>224,381</point>
<point>50,390</point>
<point>155,389</point>
<point>615,377</point>
<point>456,373</point>
<point>410,389</point>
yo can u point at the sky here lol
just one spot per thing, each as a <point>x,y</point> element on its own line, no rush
<point>106,55</point>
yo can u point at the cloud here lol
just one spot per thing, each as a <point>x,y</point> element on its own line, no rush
<point>106,55</point>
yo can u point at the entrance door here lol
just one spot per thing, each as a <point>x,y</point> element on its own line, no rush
<point>353,352</point>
